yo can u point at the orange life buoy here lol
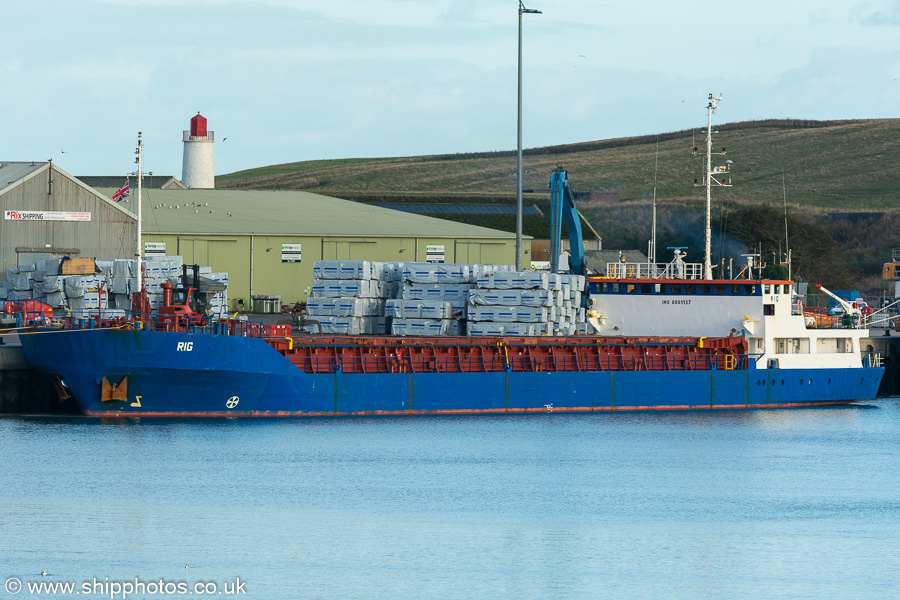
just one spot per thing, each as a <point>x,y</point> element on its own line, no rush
<point>866,310</point>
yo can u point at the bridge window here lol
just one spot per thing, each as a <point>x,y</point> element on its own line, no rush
<point>767,289</point>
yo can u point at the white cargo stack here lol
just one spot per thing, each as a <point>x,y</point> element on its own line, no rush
<point>347,296</point>
<point>423,317</point>
<point>218,304</point>
<point>437,283</point>
<point>526,303</point>
<point>109,289</point>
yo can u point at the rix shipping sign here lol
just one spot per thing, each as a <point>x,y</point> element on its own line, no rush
<point>45,215</point>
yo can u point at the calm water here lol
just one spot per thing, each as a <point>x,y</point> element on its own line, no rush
<point>763,504</point>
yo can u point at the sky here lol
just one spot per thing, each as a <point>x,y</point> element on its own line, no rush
<point>292,80</point>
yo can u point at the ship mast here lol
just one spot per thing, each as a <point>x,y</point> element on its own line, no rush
<point>140,178</point>
<point>718,176</point>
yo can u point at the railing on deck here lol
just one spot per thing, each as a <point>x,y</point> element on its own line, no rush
<point>483,362</point>
<point>620,270</point>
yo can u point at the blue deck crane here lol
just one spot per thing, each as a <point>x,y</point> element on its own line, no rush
<point>562,204</point>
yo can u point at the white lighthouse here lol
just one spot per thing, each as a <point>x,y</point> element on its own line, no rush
<point>197,168</point>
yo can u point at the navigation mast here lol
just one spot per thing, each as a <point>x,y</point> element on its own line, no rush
<point>140,178</point>
<point>713,176</point>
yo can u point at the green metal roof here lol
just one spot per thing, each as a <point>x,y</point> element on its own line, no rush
<point>238,212</point>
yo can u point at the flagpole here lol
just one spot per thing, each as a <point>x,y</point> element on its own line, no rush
<point>140,176</point>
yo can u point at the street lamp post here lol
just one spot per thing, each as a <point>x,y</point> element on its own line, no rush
<point>522,10</point>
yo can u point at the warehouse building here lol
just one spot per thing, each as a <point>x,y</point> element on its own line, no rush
<point>48,213</point>
<point>267,241</point>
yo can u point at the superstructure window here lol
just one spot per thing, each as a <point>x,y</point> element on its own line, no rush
<point>791,345</point>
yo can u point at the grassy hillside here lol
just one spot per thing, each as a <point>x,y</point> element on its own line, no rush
<point>833,165</point>
<point>832,171</point>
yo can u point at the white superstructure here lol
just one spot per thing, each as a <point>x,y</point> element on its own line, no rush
<point>764,311</point>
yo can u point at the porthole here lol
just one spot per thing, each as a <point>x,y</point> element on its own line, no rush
<point>810,382</point>
<point>829,381</point>
<point>801,382</point>
<point>782,382</point>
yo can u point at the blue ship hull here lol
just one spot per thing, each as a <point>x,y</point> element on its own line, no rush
<point>183,374</point>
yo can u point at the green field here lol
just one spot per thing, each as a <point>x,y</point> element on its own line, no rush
<point>833,165</point>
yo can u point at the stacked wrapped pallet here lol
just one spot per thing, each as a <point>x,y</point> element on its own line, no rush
<point>348,296</point>
<point>431,299</point>
<point>107,289</point>
<point>526,303</point>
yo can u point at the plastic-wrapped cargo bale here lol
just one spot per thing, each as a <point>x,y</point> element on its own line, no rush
<point>124,268</point>
<point>498,329</point>
<point>53,266</point>
<point>512,314</point>
<point>478,270</point>
<point>56,299</point>
<point>74,286</point>
<point>435,291</point>
<point>418,309</point>
<point>5,288</point>
<point>416,272</point>
<point>511,297</point>
<point>19,295</point>
<point>53,283</point>
<point>345,325</point>
<point>104,266</point>
<point>392,271</point>
<point>351,288</point>
<point>22,280</point>
<point>119,285</point>
<point>355,307</point>
<point>346,269</point>
<point>76,303</point>
<point>504,280</point>
<point>420,327</point>
<point>120,301</point>
<point>96,299</point>
<point>175,262</point>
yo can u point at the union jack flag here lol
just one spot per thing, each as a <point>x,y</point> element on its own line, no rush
<point>123,192</point>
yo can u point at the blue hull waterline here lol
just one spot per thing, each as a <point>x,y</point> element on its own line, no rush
<point>185,374</point>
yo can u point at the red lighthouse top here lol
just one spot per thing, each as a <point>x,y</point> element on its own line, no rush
<point>198,126</point>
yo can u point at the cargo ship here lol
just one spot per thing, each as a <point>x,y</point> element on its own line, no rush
<point>177,364</point>
<point>647,337</point>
